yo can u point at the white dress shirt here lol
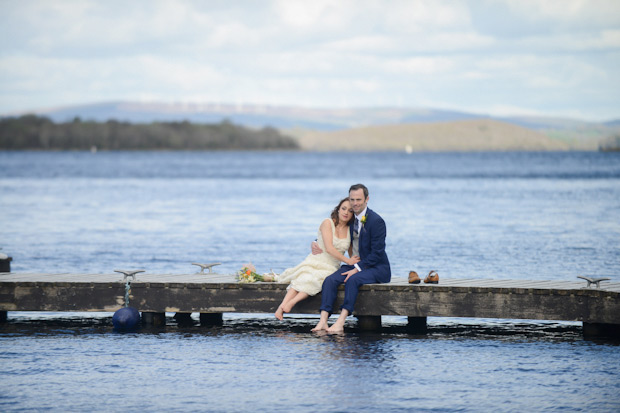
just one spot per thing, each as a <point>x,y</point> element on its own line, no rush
<point>359,229</point>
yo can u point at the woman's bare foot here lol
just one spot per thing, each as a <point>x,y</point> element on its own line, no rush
<point>280,313</point>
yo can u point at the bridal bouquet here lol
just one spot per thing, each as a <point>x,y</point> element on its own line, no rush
<point>247,274</point>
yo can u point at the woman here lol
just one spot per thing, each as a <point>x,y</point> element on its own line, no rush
<point>306,279</point>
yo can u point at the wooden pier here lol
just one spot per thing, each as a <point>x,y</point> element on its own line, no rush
<point>211,295</point>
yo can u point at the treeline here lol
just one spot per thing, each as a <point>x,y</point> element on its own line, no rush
<point>611,144</point>
<point>32,132</point>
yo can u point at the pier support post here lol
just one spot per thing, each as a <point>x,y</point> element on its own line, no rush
<point>416,325</point>
<point>211,319</point>
<point>369,322</point>
<point>5,266</point>
<point>5,263</point>
<point>153,319</point>
<point>592,330</point>
<point>184,319</point>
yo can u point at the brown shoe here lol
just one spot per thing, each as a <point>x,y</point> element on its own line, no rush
<point>414,278</point>
<point>432,278</point>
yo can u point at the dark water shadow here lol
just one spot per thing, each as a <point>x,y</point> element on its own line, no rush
<point>502,330</point>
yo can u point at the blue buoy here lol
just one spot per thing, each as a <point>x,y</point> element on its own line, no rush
<point>126,319</point>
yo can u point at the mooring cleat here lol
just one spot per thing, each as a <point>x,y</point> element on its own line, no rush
<point>131,274</point>
<point>203,266</point>
<point>595,281</point>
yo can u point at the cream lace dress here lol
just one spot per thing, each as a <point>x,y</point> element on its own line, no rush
<point>308,276</point>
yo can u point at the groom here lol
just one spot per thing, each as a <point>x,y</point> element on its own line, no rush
<point>368,237</point>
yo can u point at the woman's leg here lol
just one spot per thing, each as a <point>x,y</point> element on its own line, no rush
<point>288,306</point>
<point>290,294</point>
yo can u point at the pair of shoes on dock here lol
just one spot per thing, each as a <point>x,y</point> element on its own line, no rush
<point>431,278</point>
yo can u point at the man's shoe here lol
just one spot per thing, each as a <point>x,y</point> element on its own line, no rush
<point>414,278</point>
<point>432,278</point>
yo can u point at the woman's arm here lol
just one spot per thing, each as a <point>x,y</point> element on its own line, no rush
<point>328,240</point>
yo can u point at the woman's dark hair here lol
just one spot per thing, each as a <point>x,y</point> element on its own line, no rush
<point>335,217</point>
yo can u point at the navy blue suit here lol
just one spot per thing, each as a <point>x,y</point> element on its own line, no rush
<point>374,265</point>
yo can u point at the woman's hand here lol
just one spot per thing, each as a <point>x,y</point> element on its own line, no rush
<point>353,260</point>
<point>315,248</point>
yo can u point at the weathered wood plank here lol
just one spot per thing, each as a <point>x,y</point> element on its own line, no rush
<point>219,278</point>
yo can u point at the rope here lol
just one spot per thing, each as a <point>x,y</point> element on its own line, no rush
<point>127,289</point>
<point>128,274</point>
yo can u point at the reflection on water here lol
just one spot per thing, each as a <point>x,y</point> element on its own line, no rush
<point>297,327</point>
<point>255,362</point>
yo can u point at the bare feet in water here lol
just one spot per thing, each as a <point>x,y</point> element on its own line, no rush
<point>321,326</point>
<point>338,326</point>
<point>336,329</point>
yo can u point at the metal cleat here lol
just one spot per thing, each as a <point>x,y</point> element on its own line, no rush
<point>595,281</point>
<point>131,274</point>
<point>203,266</point>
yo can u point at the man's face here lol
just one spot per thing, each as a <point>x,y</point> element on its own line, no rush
<point>358,202</point>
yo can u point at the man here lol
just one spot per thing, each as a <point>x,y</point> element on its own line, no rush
<point>368,238</point>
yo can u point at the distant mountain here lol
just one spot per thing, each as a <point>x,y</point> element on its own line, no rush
<point>297,120</point>
<point>284,116</point>
<point>458,136</point>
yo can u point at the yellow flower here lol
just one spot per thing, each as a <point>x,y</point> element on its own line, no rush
<point>247,274</point>
<point>363,220</point>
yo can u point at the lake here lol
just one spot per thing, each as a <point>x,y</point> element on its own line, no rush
<point>483,215</point>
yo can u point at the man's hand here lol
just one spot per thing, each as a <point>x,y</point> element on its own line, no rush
<point>350,273</point>
<point>316,250</point>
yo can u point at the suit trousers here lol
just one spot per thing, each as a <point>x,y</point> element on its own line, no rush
<point>351,287</point>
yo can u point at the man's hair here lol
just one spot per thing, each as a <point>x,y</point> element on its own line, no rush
<point>359,186</point>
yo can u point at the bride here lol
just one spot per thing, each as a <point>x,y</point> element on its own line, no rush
<point>306,279</point>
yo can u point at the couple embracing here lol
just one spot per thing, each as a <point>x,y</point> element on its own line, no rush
<point>353,228</point>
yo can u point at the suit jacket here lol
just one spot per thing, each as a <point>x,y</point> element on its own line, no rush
<point>372,243</point>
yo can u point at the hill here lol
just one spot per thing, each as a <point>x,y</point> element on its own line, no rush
<point>576,134</point>
<point>468,135</point>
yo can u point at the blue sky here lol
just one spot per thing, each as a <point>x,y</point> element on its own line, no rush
<point>522,57</point>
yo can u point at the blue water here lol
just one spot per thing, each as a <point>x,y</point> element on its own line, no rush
<point>483,215</point>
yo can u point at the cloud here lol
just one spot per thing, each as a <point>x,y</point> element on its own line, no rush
<point>464,54</point>
<point>310,15</point>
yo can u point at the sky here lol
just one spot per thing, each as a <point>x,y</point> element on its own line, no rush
<point>557,58</point>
